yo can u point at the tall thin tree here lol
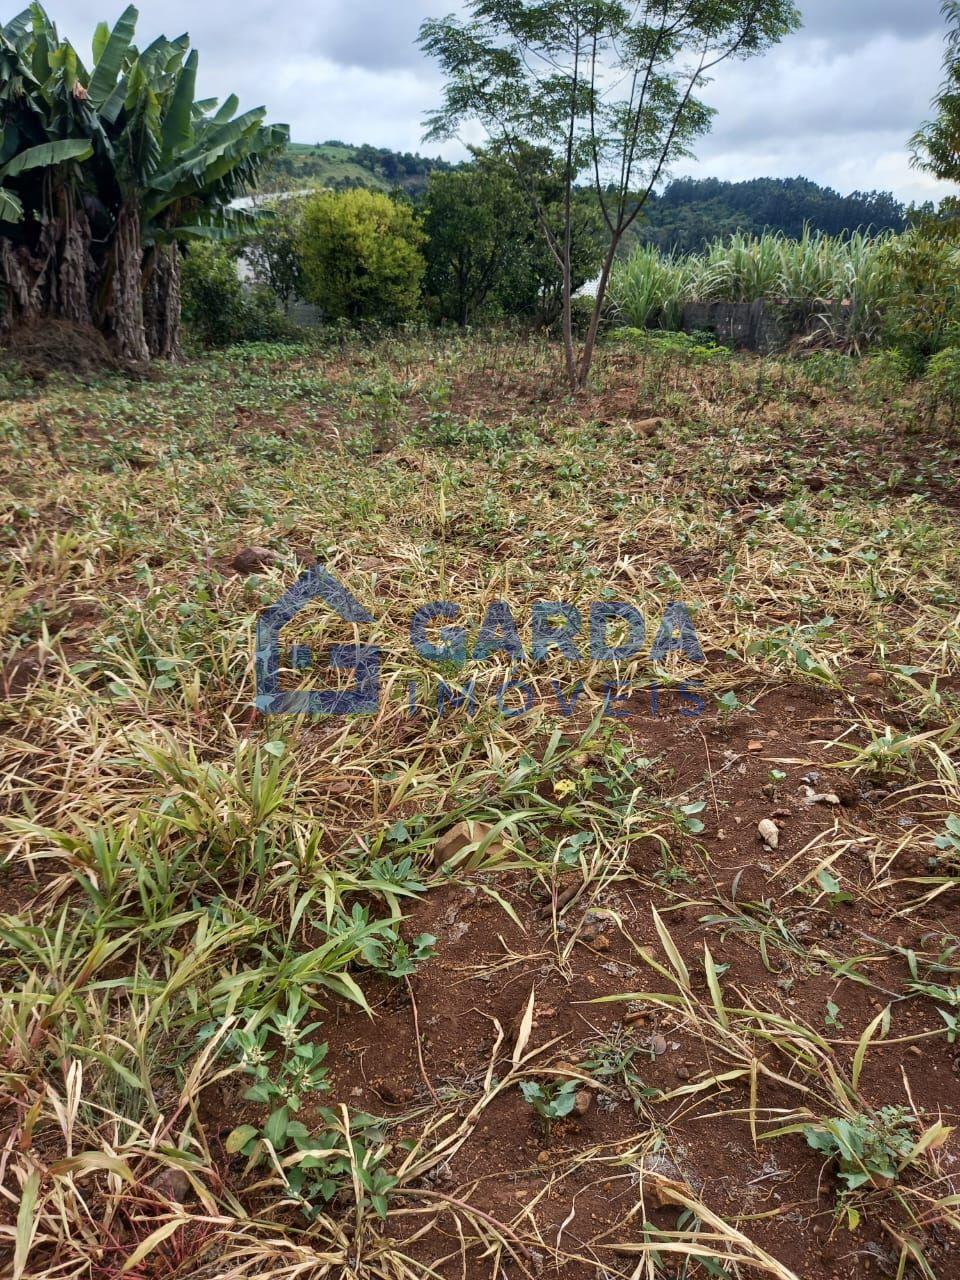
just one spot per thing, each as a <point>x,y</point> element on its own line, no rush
<point>610,86</point>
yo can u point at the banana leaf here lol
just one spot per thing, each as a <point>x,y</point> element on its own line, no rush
<point>47,154</point>
<point>178,124</point>
<point>11,210</point>
<point>110,63</point>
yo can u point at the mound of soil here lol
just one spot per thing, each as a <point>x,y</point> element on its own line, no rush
<point>59,346</point>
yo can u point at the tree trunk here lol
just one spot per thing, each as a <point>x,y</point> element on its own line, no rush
<point>126,297</point>
<point>568,347</point>
<point>586,356</point>
<point>161,303</point>
<point>22,276</point>
<point>76,269</point>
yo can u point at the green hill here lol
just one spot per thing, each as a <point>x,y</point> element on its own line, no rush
<point>340,166</point>
<point>688,213</point>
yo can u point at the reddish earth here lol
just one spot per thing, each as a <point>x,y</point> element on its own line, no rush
<point>569,1201</point>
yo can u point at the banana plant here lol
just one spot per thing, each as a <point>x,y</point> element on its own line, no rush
<point>127,168</point>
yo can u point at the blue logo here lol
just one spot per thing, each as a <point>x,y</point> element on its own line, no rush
<point>363,699</point>
<point>556,628</point>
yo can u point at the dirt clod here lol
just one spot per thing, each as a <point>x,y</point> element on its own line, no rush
<point>254,560</point>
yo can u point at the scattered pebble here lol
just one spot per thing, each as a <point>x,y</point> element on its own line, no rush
<point>582,1102</point>
<point>769,833</point>
<point>812,797</point>
<point>254,560</point>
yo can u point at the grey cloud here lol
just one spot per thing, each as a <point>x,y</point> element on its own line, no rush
<point>368,34</point>
<point>859,20</point>
<point>838,100</point>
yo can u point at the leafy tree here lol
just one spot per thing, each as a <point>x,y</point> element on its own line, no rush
<point>212,294</point>
<point>477,223</point>
<point>135,167</point>
<point>936,145</point>
<point>608,86</point>
<point>534,286</point>
<point>274,252</point>
<point>216,306</point>
<point>923,304</point>
<point>362,257</point>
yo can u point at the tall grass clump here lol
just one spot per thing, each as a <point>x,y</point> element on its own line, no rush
<point>649,288</point>
<point>849,277</point>
<point>741,269</point>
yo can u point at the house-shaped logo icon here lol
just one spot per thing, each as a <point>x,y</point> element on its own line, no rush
<point>362,699</point>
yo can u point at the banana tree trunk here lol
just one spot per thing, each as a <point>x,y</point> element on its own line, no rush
<point>126,297</point>
<point>22,276</point>
<point>76,269</point>
<point>161,302</point>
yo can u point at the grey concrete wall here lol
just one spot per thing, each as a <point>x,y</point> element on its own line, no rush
<point>764,327</point>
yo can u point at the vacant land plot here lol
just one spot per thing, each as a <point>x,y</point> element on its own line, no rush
<point>651,981</point>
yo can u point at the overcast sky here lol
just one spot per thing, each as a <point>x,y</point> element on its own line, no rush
<point>836,102</point>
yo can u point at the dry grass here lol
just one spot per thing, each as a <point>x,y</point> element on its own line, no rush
<point>177,872</point>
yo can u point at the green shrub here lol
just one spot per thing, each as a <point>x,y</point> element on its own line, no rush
<point>212,294</point>
<point>942,381</point>
<point>274,251</point>
<point>886,373</point>
<point>923,310</point>
<point>361,256</point>
<point>216,307</point>
<point>697,347</point>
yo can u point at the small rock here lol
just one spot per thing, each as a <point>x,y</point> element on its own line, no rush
<point>254,560</point>
<point>647,426</point>
<point>769,833</point>
<point>460,837</point>
<point>568,1069</point>
<point>874,677</point>
<point>601,943</point>
<point>543,1158</point>
<point>394,1095</point>
<point>683,1073</point>
<point>757,745</point>
<point>659,1045</point>
<point>172,1184</point>
<point>811,797</point>
<point>582,1102</point>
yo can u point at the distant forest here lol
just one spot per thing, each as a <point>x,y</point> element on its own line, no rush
<point>692,210</point>
<point>685,215</point>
